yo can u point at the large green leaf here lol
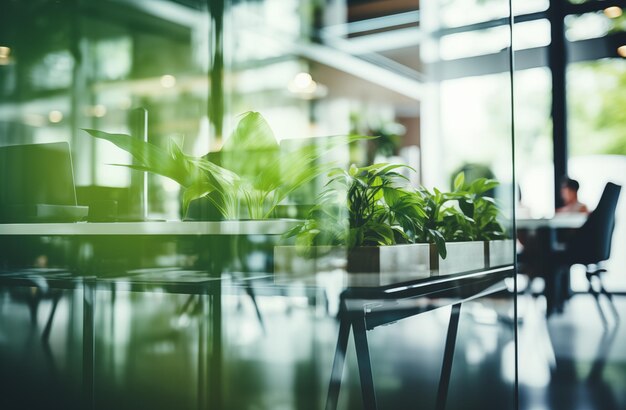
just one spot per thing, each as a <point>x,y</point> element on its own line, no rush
<point>252,170</point>
<point>295,167</point>
<point>459,181</point>
<point>222,175</point>
<point>251,148</point>
<point>199,189</point>
<point>482,185</point>
<point>252,133</point>
<point>437,238</point>
<point>148,155</point>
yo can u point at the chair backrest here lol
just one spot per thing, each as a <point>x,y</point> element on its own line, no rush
<point>592,242</point>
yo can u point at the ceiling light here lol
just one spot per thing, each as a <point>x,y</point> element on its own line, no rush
<point>303,86</point>
<point>55,116</point>
<point>302,81</point>
<point>5,58</point>
<point>168,81</point>
<point>613,12</point>
<point>99,110</point>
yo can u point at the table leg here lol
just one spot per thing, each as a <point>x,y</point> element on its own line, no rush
<point>365,365</point>
<point>45,336</point>
<point>338,363</point>
<point>215,376</point>
<point>203,384</point>
<point>448,356</point>
<point>88,344</point>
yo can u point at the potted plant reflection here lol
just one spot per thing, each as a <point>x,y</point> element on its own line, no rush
<point>247,179</point>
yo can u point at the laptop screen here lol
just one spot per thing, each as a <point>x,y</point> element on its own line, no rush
<point>36,174</point>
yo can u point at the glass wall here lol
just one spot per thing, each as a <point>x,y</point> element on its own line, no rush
<point>77,65</point>
<point>597,142</point>
<point>565,124</point>
<point>595,84</point>
<point>278,203</point>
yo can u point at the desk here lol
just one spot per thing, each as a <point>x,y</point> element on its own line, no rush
<point>129,239</point>
<point>83,273</point>
<point>365,302</point>
<point>541,241</point>
<point>363,308</point>
<point>563,221</point>
<point>261,227</point>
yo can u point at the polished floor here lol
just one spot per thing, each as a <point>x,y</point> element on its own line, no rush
<point>584,366</point>
<point>154,349</point>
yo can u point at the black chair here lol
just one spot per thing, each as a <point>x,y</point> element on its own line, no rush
<point>591,245</point>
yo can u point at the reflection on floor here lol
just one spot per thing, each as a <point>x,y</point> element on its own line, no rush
<point>584,367</point>
<point>155,350</point>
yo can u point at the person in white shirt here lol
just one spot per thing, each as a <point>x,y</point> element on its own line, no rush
<point>569,193</point>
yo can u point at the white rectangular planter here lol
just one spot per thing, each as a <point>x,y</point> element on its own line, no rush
<point>412,258</point>
<point>499,253</point>
<point>461,257</point>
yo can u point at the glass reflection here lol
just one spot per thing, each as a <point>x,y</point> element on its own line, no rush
<point>197,309</point>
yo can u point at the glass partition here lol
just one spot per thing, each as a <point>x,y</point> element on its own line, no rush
<point>598,144</point>
<point>266,203</point>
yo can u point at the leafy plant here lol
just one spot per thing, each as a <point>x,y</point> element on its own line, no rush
<point>388,141</point>
<point>465,214</point>
<point>371,206</point>
<point>437,211</point>
<point>476,218</point>
<point>380,210</point>
<point>254,174</point>
<point>388,135</point>
<point>368,206</point>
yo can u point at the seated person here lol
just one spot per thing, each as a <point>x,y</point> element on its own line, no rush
<point>541,256</point>
<point>557,272</point>
<point>569,193</point>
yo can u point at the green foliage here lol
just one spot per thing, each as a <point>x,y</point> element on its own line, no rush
<point>369,206</point>
<point>475,218</point>
<point>596,102</point>
<point>434,206</point>
<point>465,214</point>
<point>254,174</point>
<point>471,171</point>
<point>380,210</point>
<point>388,141</point>
<point>372,206</point>
<point>388,135</point>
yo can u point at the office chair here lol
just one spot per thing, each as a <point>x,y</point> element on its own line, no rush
<point>591,244</point>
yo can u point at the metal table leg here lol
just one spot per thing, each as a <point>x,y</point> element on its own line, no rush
<point>338,363</point>
<point>448,356</point>
<point>88,344</point>
<point>365,364</point>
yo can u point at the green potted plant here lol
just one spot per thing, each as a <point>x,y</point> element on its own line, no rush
<point>383,226</point>
<point>247,179</point>
<point>371,214</point>
<point>479,221</point>
<point>443,217</point>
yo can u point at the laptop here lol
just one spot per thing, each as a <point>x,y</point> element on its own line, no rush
<point>37,184</point>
